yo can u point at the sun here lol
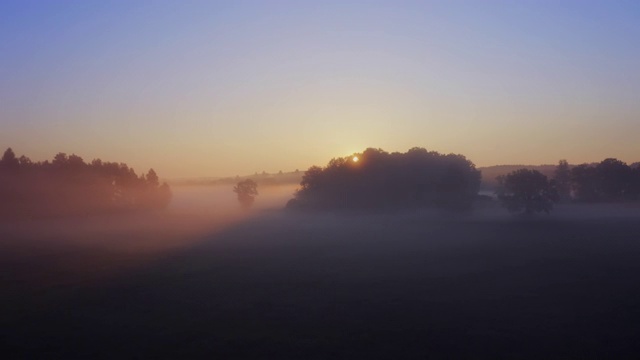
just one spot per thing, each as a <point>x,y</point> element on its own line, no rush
<point>355,159</point>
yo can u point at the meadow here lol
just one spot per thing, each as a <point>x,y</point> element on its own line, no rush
<point>207,280</point>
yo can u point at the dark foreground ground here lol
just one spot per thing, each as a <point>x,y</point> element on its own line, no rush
<point>305,286</point>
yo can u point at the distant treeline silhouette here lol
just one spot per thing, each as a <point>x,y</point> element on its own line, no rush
<point>609,180</point>
<point>67,185</point>
<point>529,191</point>
<point>378,179</point>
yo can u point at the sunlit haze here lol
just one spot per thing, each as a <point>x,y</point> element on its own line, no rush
<point>195,88</point>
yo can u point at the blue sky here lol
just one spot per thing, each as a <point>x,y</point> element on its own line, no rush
<point>197,88</point>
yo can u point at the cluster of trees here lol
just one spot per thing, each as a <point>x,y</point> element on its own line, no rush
<point>421,178</point>
<point>67,185</point>
<point>527,191</point>
<point>378,179</point>
<point>530,191</point>
<point>609,180</point>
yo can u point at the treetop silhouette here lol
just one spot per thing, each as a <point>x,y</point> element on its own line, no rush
<point>246,190</point>
<point>67,185</point>
<point>527,191</point>
<point>378,179</point>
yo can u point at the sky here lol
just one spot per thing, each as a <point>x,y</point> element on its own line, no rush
<point>223,88</point>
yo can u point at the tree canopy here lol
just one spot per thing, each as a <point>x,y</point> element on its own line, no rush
<point>562,178</point>
<point>527,191</point>
<point>246,190</point>
<point>609,180</point>
<point>67,185</point>
<point>9,160</point>
<point>378,179</point>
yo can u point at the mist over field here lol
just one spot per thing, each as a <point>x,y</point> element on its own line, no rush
<point>331,179</point>
<point>220,199</point>
<point>374,255</point>
<point>71,249</point>
<point>208,278</point>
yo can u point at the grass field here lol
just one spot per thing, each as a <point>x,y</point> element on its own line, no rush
<point>333,286</point>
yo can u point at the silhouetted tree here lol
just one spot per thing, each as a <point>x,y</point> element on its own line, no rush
<point>310,179</point>
<point>152,178</point>
<point>75,162</point>
<point>609,180</point>
<point>614,179</point>
<point>67,186</point>
<point>378,179</point>
<point>9,160</point>
<point>584,183</point>
<point>246,191</point>
<point>25,161</point>
<point>563,180</point>
<point>60,160</point>
<point>527,191</point>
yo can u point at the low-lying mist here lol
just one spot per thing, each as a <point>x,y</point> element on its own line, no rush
<point>220,199</point>
<point>77,248</point>
<point>205,277</point>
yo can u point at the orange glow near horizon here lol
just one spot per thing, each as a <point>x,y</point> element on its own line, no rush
<point>217,89</point>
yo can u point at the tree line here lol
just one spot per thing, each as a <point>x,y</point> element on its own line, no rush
<point>378,179</point>
<point>609,180</point>
<point>421,178</point>
<point>67,185</point>
<point>530,191</point>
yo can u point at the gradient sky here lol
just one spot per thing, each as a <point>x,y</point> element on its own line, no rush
<point>206,88</point>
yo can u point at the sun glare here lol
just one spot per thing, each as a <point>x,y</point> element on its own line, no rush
<point>355,159</point>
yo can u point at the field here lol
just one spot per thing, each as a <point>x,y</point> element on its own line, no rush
<point>276,284</point>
